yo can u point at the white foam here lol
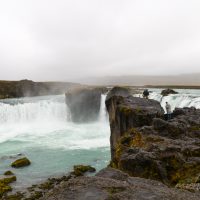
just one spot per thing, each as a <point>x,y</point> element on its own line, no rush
<point>184,98</point>
<point>43,122</point>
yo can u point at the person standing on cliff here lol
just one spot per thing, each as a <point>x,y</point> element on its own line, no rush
<point>146,94</point>
<point>169,111</point>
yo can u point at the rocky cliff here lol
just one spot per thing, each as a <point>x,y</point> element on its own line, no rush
<point>127,112</point>
<point>144,145</point>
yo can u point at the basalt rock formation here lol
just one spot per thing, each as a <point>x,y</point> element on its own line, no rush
<point>84,103</point>
<point>168,91</point>
<point>144,145</point>
<point>126,112</point>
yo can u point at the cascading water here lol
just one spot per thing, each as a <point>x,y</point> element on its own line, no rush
<point>39,128</point>
<point>184,98</point>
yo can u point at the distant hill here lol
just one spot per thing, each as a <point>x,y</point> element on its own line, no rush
<point>15,89</point>
<point>181,80</point>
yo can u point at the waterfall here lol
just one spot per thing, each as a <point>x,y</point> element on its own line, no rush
<point>184,98</point>
<point>103,113</point>
<point>33,110</point>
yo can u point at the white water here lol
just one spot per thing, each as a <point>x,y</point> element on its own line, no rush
<point>39,128</point>
<point>184,98</point>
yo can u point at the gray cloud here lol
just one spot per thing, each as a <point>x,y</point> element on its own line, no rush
<point>72,39</point>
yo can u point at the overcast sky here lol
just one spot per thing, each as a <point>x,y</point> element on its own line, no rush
<point>71,39</point>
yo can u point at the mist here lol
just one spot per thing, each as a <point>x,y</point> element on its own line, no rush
<point>70,40</point>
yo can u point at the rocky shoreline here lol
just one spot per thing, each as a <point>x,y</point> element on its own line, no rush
<point>151,158</point>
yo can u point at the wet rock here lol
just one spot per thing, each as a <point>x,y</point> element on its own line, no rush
<point>167,92</point>
<point>4,185</point>
<point>80,170</point>
<point>22,162</point>
<point>4,188</point>
<point>8,180</point>
<point>8,173</point>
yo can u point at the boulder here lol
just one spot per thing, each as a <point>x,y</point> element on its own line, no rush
<point>168,91</point>
<point>84,104</point>
<point>22,162</point>
<point>8,173</point>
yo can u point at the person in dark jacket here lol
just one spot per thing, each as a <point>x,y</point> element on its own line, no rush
<point>146,94</point>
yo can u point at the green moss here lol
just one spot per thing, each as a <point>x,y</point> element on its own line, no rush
<point>125,140</point>
<point>188,173</point>
<point>126,110</point>
<point>8,173</point>
<point>113,165</point>
<point>36,195</point>
<point>194,128</point>
<point>4,188</point>
<point>46,186</point>
<point>138,140</point>
<point>17,196</point>
<point>22,162</point>
<point>138,110</point>
<point>113,190</point>
<point>8,180</point>
<point>79,170</point>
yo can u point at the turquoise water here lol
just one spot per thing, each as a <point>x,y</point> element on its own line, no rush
<point>40,129</point>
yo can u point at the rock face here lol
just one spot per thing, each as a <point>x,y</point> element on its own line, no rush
<point>111,184</point>
<point>167,92</point>
<point>126,112</point>
<point>146,146</point>
<point>84,104</point>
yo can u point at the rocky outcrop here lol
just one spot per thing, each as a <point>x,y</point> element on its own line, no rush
<point>15,89</point>
<point>111,184</point>
<point>146,146</point>
<point>126,112</point>
<point>84,104</point>
<point>168,91</point>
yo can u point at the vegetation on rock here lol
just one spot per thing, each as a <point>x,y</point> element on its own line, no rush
<point>79,170</point>
<point>22,162</point>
